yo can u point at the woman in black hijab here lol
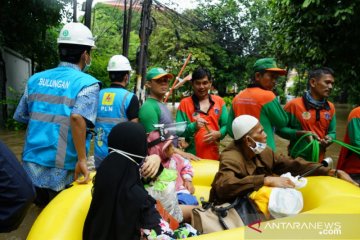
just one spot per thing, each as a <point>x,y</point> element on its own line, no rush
<point>120,206</point>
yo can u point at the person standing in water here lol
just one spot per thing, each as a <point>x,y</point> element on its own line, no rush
<point>312,113</point>
<point>59,105</point>
<point>206,117</point>
<point>259,100</point>
<point>116,104</point>
<point>154,111</point>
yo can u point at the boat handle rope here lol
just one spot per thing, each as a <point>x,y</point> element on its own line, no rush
<point>315,146</point>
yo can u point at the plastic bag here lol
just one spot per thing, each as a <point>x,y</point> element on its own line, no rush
<point>285,202</point>
<point>299,182</point>
<point>163,190</point>
<point>280,202</point>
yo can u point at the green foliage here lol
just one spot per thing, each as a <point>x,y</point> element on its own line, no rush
<point>240,29</point>
<point>98,68</point>
<point>12,103</point>
<point>108,27</point>
<point>12,124</point>
<point>226,36</point>
<point>280,89</point>
<point>299,86</point>
<point>28,28</point>
<point>220,38</point>
<point>315,33</point>
<point>228,100</point>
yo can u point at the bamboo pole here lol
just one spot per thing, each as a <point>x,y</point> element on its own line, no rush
<point>178,76</point>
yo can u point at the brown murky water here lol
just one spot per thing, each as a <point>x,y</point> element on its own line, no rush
<point>15,141</point>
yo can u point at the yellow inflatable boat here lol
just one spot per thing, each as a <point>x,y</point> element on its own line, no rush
<point>331,211</point>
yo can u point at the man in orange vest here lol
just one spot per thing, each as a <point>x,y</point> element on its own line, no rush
<point>259,101</point>
<point>206,117</point>
<point>312,113</point>
<point>349,161</point>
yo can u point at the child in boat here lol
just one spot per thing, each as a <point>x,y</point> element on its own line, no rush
<point>163,146</point>
<point>162,189</point>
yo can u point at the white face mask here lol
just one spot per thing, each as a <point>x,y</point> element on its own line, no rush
<point>128,80</point>
<point>87,66</point>
<point>126,154</point>
<point>259,147</point>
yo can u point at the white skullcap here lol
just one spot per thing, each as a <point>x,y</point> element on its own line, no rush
<point>242,125</point>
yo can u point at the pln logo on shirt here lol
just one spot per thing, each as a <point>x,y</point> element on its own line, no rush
<point>108,99</point>
<point>217,111</point>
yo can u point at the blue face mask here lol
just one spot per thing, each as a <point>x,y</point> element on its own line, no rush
<point>259,147</point>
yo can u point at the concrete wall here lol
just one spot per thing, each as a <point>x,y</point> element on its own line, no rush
<point>17,72</point>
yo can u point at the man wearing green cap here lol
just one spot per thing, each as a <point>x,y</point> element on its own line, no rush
<point>154,111</point>
<point>259,101</point>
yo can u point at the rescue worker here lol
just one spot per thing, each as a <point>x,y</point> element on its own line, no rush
<point>206,117</point>
<point>154,111</point>
<point>59,105</point>
<point>312,113</point>
<point>349,161</point>
<point>259,101</point>
<point>116,105</point>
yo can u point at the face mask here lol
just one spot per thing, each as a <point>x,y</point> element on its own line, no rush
<point>258,148</point>
<point>127,155</point>
<point>87,66</point>
<point>128,80</point>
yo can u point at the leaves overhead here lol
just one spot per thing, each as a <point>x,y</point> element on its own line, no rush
<point>312,33</point>
<point>226,36</point>
<point>28,27</point>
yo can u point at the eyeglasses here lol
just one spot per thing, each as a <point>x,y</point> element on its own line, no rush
<point>161,80</point>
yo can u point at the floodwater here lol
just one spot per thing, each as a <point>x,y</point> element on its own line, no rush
<point>15,141</point>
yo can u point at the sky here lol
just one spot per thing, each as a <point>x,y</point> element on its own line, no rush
<point>184,4</point>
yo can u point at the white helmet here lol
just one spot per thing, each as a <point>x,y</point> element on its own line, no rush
<point>118,63</point>
<point>76,33</point>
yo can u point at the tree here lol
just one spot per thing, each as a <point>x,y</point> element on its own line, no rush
<point>108,28</point>
<point>31,28</point>
<point>219,36</point>
<point>228,56</point>
<point>239,30</point>
<point>316,33</point>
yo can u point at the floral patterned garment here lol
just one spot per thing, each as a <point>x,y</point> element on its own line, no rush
<point>184,231</point>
